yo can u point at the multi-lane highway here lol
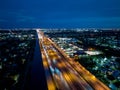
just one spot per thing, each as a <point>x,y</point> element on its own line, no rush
<point>62,72</point>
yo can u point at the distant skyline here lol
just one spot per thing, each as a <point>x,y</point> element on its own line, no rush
<point>60,14</point>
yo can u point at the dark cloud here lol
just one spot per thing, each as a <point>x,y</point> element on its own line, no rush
<point>59,13</point>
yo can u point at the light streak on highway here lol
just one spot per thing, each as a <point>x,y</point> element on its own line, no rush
<point>50,82</point>
<point>64,73</point>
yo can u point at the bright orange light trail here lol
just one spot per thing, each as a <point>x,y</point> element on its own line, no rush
<point>64,73</point>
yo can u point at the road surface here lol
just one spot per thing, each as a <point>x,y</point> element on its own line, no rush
<point>62,72</point>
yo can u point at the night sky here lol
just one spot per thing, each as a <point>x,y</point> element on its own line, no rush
<point>60,13</point>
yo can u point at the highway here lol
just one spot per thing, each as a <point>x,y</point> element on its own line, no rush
<point>62,73</point>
